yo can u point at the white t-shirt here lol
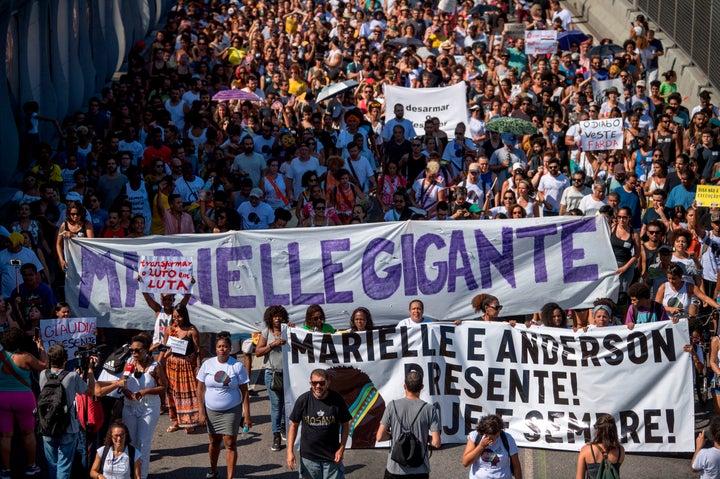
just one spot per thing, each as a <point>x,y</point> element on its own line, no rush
<point>553,187</point>
<point>590,206</point>
<point>296,171</point>
<point>708,460</point>
<point>409,323</point>
<point>117,467</point>
<point>222,383</point>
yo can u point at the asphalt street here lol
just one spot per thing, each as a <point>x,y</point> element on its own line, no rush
<point>179,455</point>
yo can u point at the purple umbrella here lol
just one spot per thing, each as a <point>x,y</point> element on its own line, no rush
<point>241,95</point>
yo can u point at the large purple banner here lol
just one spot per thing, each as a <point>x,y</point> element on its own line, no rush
<point>382,267</point>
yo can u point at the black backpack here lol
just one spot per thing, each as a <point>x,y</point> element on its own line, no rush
<point>131,454</point>
<point>408,451</point>
<point>53,411</point>
<point>115,362</point>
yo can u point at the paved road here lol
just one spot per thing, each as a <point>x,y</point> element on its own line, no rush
<point>184,456</point>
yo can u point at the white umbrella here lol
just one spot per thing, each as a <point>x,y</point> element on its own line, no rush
<point>335,89</point>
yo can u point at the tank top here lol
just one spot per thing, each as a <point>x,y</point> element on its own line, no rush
<point>681,295</point>
<point>144,381</point>
<point>190,347</point>
<point>271,194</point>
<point>666,144</point>
<point>273,359</point>
<point>139,201</point>
<point>592,468</point>
<point>643,163</point>
<point>650,256</point>
<point>622,249</point>
<point>197,140</point>
<point>8,381</point>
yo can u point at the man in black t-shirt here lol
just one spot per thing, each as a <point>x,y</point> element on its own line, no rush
<point>325,419</point>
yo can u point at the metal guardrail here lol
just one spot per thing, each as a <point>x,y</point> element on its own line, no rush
<point>690,24</point>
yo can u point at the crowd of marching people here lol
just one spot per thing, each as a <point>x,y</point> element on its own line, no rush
<point>261,114</point>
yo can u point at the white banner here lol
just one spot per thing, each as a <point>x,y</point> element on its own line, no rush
<point>604,134</point>
<point>381,266</point>
<point>548,384</point>
<point>449,104</point>
<point>165,274</point>
<point>73,333</point>
<point>540,42</point>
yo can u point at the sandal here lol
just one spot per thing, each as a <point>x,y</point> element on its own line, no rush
<point>173,428</point>
<point>189,430</point>
<point>163,409</point>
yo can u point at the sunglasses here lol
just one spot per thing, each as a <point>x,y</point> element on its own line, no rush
<point>499,307</point>
<point>653,232</point>
<point>318,383</point>
<point>133,351</point>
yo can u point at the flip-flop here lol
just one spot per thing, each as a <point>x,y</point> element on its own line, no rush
<point>173,428</point>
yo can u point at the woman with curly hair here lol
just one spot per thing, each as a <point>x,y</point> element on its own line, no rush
<point>553,316</point>
<point>491,452</point>
<point>117,458</point>
<point>269,347</point>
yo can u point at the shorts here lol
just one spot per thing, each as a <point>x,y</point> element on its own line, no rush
<point>714,385</point>
<point>17,406</point>
<point>310,469</point>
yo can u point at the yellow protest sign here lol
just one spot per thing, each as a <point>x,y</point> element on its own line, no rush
<point>707,195</point>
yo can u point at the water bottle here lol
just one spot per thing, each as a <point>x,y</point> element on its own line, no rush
<point>244,434</point>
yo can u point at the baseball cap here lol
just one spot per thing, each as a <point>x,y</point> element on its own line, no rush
<point>256,192</point>
<point>508,139</point>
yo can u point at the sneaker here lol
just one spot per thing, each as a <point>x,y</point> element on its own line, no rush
<point>211,475</point>
<point>276,442</point>
<point>283,435</point>
<point>32,470</point>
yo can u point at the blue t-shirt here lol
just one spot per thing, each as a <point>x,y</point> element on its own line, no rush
<point>680,196</point>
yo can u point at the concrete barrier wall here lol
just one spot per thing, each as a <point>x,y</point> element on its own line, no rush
<point>60,53</point>
<point>611,19</point>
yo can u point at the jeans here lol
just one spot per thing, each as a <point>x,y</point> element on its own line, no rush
<point>141,421</point>
<point>321,469</point>
<point>277,405</point>
<point>59,452</point>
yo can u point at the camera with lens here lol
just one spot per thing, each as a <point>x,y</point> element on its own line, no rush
<point>162,348</point>
<point>83,355</point>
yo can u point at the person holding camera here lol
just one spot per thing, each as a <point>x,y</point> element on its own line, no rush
<point>60,449</point>
<point>142,383</point>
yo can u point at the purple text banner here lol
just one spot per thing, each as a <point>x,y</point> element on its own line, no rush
<point>525,263</point>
